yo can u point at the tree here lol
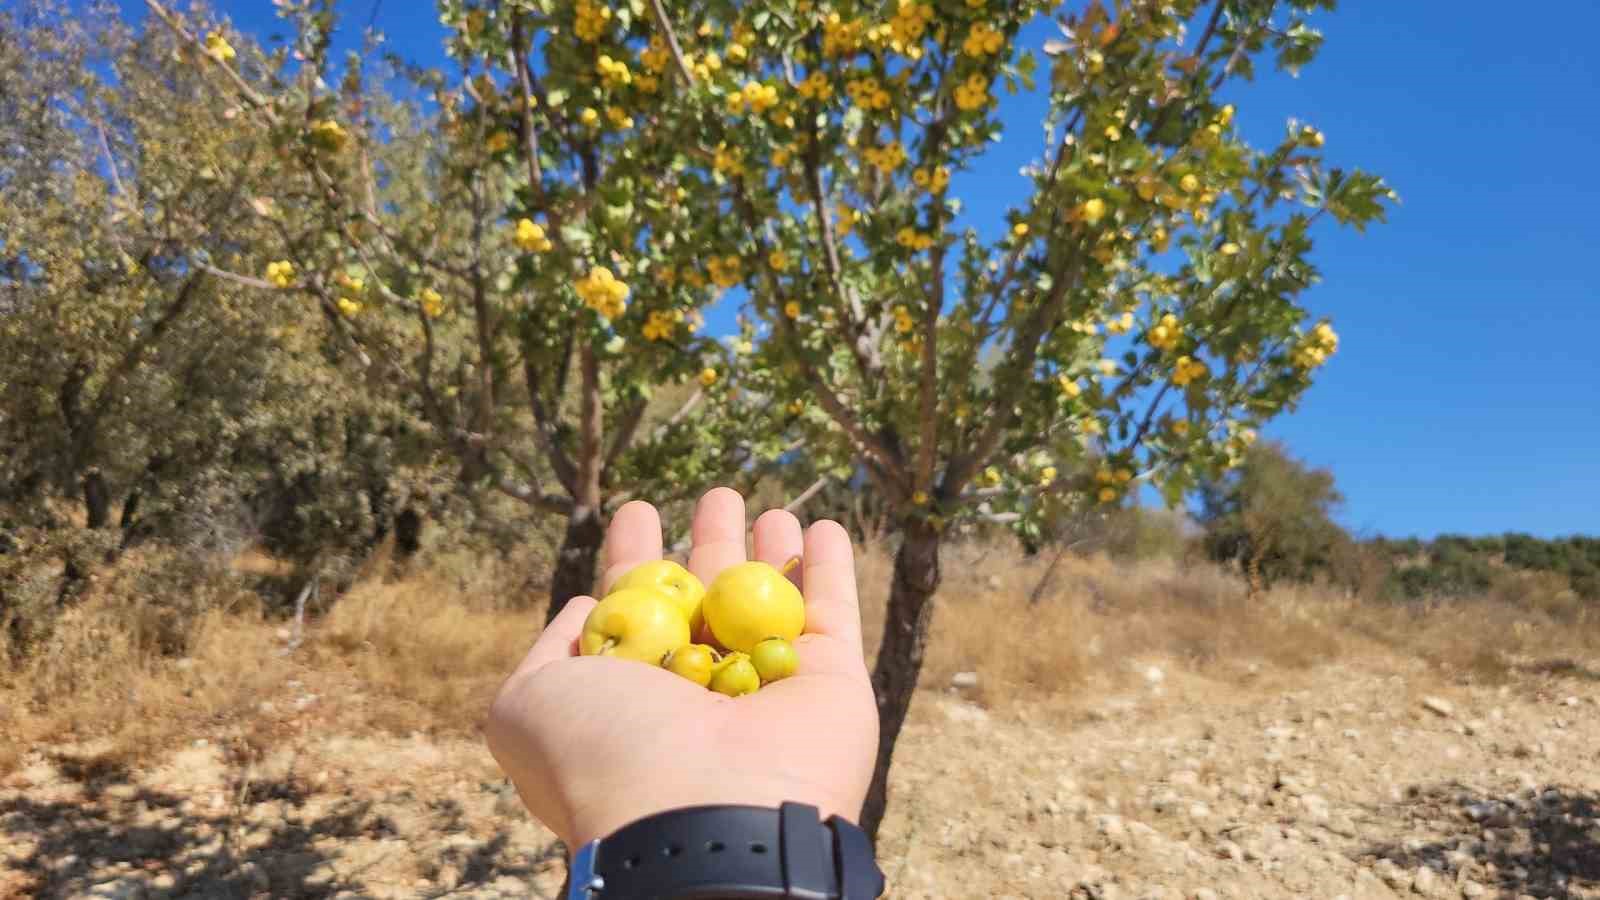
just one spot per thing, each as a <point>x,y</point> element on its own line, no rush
<point>147,394</point>
<point>1273,517</point>
<point>1141,309</point>
<point>526,262</point>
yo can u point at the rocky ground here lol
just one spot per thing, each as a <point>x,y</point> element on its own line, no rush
<point>1372,778</point>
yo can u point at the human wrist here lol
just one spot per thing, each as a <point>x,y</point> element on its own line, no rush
<point>788,851</point>
<point>613,809</point>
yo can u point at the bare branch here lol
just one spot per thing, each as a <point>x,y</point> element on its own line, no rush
<point>687,407</point>
<point>591,429</point>
<point>244,88</point>
<point>662,22</point>
<point>555,503</point>
<point>545,429</point>
<point>626,428</point>
<point>807,494</point>
<point>1024,351</point>
<point>530,137</point>
<point>928,377</point>
<point>111,163</point>
<point>235,277</point>
<point>879,455</point>
<point>862,346</point>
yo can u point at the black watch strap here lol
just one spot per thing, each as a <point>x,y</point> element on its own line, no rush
<point>706,852</point>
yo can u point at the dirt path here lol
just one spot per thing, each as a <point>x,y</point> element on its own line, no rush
<point>1361,780</point>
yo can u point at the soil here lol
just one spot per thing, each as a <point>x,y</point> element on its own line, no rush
<point>1370,778</point>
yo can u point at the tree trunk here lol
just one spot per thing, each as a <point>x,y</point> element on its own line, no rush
<point>575,562</point>
<point>586,532</point>
<point>905,637</point>
<point>96,498</point>
<point>407,532</point>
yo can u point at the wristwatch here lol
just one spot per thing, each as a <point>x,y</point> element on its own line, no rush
<point>725,852</point>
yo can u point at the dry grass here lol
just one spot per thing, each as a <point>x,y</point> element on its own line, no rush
<point>417,642</point>
<point>96,681</point>
<point>425,652</point>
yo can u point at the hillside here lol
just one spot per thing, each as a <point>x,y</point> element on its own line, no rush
<point>1150,737</point>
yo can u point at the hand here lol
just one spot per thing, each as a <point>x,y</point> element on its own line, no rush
<point>593,743</point>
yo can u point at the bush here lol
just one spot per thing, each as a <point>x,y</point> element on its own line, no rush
<point>1272,516</point>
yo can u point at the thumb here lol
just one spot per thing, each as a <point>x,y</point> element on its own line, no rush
<point>559,640</point>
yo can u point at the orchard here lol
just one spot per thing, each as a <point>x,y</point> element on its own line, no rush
<point>510,264</point>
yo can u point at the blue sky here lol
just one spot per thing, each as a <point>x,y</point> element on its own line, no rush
<point>1465,397</point>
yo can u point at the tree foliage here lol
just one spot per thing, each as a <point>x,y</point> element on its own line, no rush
<point>1142,305</point>
<point>145,392</point>
<point>1273,517</point>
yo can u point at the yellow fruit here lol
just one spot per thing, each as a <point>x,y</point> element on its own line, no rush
<point>692,661</point>
<point>676,583</point>
<point>735,676</point>
<point>751,602</point>
<point>774,659</point>
<point>637,624</point>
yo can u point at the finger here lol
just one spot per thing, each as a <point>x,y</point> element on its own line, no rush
<point>778,539</point>
<point>829,584</point>
<point>633,538</point>
<point>559,640</point>
<point>717,533</point>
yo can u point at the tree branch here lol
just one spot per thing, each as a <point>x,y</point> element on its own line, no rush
<point>249,93</point>
<point>235,277</point>
<point>807,494</point>
<point>555,503</point>
<point>872,448</point>
<point>928,377</point>
<point>862,346</point>
<point>135,353</point>
<point>626,428</point>
<point>659,11</point>
<point>545,429</point>
<point>1025,350</point>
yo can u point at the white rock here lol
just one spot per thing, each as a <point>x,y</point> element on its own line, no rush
<point>1472,889</point>
<point>1392,875</point>
<point>119,889</point>
<point>1424,882</point>
<point>964,680</point>
<point>1110,826</point>
<point>1154,675</point>
<point>255,876</point>
<point>1205,894</point>
<point>1438,706</point>
<point>966,712</point>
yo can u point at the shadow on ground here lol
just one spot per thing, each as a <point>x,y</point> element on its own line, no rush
<point>1540,841</point>
<point>1565,668</point>
<point>129,841</point>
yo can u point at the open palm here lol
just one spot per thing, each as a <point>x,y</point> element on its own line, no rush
<point>593,743</point>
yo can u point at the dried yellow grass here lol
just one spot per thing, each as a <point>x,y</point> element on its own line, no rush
<point>425,652</point>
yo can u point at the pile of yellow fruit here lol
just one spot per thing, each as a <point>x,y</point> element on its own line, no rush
<point>734,637</point>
